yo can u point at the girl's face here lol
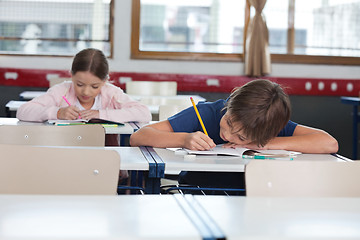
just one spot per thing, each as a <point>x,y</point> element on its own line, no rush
<point>87,87</point>
<point>229,131</point>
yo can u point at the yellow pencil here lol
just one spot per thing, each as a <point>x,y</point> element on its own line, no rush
<point>198,115</point>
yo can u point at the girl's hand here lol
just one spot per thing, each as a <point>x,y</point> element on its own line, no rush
<point>88,114</point>
<point>68,113</point>
<point>198,141</point>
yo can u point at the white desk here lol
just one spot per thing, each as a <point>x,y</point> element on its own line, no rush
<point>94,217</point>
<point>127,128</point>
<point>180,161</point>
<point>131,158</point>
<point>167,217</point>
<point>13,106</point>
<point>284,218</point>
<point>28,95</point>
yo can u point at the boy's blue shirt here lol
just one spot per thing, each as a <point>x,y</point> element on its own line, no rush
<point>211,114</point>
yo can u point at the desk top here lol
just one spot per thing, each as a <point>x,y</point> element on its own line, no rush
<point>14,105</point>
<point>127,128</point>
<point>131,158</point>
<point>350,100</point>
<point>28,95</point>
<point>167,217</point>
<point>93,217</point>
<point>176,161</point>
<point>284,218</point>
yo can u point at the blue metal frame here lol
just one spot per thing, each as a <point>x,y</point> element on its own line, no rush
<point>355,102</point>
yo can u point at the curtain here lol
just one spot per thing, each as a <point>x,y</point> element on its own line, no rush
<point>257,55</point>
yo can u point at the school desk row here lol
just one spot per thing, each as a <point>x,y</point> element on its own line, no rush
<point>177,217</point>
<point>156,162</point>
<point>153,102</point>
<point>126,129</point>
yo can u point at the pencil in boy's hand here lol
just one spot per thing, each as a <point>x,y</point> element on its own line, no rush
<point>198,115</point>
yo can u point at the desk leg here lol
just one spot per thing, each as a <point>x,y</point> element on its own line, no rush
<point>355,131</point>
<point>152,184</point>
<point>8,112</point>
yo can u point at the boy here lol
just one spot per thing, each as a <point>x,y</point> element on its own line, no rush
<point>255,116</point>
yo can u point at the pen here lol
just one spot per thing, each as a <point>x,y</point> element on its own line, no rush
<point>198,115</point>
<point>69,103</point>
<point>66,100</point>
<point>265,157</point>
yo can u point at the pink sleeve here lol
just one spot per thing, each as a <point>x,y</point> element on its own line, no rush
<point>44,107</point>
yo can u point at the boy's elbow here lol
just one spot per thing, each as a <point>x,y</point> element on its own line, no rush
<point>132,141</point>
<point>333,146</point>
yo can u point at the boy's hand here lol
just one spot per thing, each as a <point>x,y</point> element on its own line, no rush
<point>198,141</point>
<point>68,113</point>
<point>88,114</point>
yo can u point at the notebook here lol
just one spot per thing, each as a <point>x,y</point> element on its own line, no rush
<point>84,121</point>
<point>219,150</point>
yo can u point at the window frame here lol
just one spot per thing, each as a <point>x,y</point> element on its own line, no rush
<point>111,37</point>
<point>136,53</point>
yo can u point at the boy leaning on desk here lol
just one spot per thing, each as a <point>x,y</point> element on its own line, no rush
<point>255,116</point>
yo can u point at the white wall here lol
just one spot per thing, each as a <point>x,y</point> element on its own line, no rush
<point>121,61</point>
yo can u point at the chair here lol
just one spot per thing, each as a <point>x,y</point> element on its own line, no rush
<point>166,111</point>
<point>151,88</point>
<point>54,81</point>
<point>302,179</point>
<point>50,135</point>
<point>51,170</point>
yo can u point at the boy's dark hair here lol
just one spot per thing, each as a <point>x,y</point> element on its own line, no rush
<point>261,108</point>
<point>93,61</point>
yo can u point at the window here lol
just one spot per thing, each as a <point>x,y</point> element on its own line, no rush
<point>300,31</point>
<point>49,27</point>
<point>188,29</point>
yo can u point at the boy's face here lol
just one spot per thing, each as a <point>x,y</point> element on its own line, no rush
<point>87,86</point>
<point>230,132</point>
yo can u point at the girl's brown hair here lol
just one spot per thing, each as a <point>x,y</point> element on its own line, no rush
<point>261,108</point>
<point>91,60</point>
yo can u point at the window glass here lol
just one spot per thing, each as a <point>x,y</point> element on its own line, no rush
<point>49,27</point>
<point>328,28</point>
<point>276,16</point>
<point>210,26</point>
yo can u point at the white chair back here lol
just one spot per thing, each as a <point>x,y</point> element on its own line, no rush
<point>54,81</point>
<point>51,170</point>
<point>151,88</point>
<point>166,111</point>
<point>49,135</point>
<point>281,178</point>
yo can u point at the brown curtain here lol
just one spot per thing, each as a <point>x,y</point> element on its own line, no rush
<point>257,55</point>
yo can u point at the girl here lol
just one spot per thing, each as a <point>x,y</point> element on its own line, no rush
<point>89,94</point>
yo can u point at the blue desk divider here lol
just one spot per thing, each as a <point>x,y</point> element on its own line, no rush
<point>160,165</point>
<point>355,102</point>
<point>152,183</point>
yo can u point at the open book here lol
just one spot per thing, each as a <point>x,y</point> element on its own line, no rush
<point>84,121</point>
<point>242,152</point>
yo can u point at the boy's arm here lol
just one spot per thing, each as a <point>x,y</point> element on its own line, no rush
<point>306,140</point>
<point>162,135</point>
